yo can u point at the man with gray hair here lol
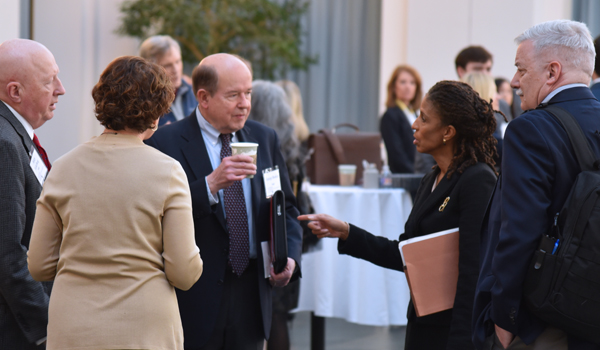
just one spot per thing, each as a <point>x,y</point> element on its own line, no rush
<point>164,51</point>
<point>554,63</point>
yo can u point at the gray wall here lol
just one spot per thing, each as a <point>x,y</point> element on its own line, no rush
<point>343,86</point>
<point>588,12</point>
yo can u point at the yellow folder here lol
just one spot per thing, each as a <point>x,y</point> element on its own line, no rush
<point>431,268</point>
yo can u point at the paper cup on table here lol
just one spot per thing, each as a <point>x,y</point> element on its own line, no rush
<point>347,174</point>
<point>245,148</point>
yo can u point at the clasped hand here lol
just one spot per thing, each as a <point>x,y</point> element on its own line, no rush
<point>323,225</point>
<point>231,169</point>
<point>283,278</point>
<point>504,336</point>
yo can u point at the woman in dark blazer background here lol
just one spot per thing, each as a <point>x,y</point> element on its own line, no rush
<point>403,101</point>
<point>456,127</point>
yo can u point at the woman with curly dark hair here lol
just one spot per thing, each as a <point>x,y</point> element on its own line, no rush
<point>114,226</point>
<point>456,127</point>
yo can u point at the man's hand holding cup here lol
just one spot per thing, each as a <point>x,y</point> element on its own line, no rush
<point>231,169</point>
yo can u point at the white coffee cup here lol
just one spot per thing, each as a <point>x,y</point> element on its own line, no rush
<point>347,173</point>
<point>245,148</point>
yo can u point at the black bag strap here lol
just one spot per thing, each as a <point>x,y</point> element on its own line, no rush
<point>583,150</point>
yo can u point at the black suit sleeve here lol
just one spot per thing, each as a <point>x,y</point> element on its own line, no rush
<point>378,250</point>
<point>25,298</point>
<point>397,137</point>
<point>474,194</point>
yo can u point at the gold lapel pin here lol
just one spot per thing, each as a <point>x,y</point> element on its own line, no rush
<point>443,206</point>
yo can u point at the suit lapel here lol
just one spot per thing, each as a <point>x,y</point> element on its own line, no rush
<point>16,124</point>
<point>196,155</point>
<point>430,201</point>
<point>194,149</point>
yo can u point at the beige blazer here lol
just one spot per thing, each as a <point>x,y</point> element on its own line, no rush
<point>114,230</point>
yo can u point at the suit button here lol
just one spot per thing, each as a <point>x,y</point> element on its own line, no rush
<point>512,314</point>
<point>220,283</point>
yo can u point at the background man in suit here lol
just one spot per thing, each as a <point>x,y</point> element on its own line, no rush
<point>164,51</point>
<point>554,63</point>
<point>29,90</point>
<point>230,306</point>
<point>595,87</point>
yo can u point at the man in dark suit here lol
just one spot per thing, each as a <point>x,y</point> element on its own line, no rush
<point>554,63</point>
<point>595,87</point>
<point>230,306</point>
<point>29,90</point>
<point>166,52</point>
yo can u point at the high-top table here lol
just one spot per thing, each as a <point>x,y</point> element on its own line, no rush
<point>335,285</point>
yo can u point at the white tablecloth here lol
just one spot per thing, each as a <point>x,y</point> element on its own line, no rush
<point>335,285</point>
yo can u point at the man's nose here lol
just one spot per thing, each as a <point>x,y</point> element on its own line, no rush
<point>514,83</point>
<point>60,90</point>
<point>245,101</point>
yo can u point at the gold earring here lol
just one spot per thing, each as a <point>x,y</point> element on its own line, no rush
<point>444,141</point>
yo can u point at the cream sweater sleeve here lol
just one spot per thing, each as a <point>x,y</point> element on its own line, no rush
<point>46,238</point>
<point>183,265</point>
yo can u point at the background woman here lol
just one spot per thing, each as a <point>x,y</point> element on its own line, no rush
<point>403,102</point>
<point>114,225</point>
<point>484,85</point>
<point>455,126</point>
<point>506,93</point>
<point>294,98</point>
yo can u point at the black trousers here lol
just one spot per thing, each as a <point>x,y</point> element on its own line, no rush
<point>425,336</point>
<point>239,325</point>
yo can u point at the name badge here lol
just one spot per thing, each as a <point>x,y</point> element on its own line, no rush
<point>39,168</point>
<point>272,181</point>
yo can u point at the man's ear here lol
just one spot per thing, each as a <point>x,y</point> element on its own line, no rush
<point>553,71</point>
<point>460,71</point>
<point>13,91</point>
<point>202,96</point>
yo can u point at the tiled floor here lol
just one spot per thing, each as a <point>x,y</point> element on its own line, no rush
<point>341,335</point>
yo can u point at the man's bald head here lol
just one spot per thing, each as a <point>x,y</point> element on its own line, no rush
<point>222,85</point>
<point>206,74</point>
<point>29,80</point>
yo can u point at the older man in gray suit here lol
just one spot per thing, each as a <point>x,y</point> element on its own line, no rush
<point>29,90</point>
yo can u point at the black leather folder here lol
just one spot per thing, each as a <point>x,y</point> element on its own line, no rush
<point>279,251</point>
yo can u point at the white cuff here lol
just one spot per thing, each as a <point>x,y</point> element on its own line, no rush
<point>211,199</point>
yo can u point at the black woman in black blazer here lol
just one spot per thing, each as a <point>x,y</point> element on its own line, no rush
<point>469,193</point>
<point>456,127</point>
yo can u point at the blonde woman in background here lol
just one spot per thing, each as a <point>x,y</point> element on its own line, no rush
<point>292,91</point>
<point>485,86</point>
